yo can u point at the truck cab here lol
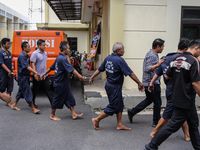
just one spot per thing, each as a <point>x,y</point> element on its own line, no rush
<point>52,40</point>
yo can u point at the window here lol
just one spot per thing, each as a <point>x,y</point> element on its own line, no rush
<point>190,22</point>
<point>72,43</point>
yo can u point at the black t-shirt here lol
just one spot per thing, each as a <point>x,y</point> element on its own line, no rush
<point>161,70</point>
<point>184,70</point>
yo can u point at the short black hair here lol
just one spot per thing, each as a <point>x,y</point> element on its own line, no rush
<point>194,43</point>
<point>24,45</point>
<point>63,45</point>
<point>183,44</point>
<point>4,41</point>
<point>40,41</point>
<point>158,42</point>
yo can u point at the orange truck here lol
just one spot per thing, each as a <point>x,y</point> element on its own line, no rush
<point>52,40</point>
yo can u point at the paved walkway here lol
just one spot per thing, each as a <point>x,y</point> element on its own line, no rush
<point>26,131</point>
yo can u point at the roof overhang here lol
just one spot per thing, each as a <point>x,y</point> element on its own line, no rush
<point>63,26</point>
<point>66,9</point>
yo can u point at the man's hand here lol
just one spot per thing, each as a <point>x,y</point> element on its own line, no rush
<point>141,87</point>
<point>151,87</point>
<point>82,78</point>
<point>37,77</point>
<point>10,74</point>
<point>91,80</point>
<point>160,61</point>
<point>44,76</point>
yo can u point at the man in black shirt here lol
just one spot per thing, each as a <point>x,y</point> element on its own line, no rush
<point>184,72</point>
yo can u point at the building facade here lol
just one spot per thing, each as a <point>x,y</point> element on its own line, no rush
<point>137,23</point>
<point>75,30</point>
<point>10,20</point>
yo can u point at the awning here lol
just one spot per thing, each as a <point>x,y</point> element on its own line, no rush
<point>66,9</point>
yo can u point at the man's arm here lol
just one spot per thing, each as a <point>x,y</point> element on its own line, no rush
<point>96,73</point>
<point>154,67</point>
<point>135,78</point>
<point>151,84</point>
<point>196,86</point>
<point>32,70</point>
<point>195,77</point>
<point>78,75</point>
<point>33,59</point>
<point>33,66</point>
<point>6,68</point>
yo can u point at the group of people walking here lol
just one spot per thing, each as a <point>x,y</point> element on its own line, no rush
<point>179,69</point>
<point>35,66</point>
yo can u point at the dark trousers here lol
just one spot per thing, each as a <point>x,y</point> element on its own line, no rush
<point>44,85</point>
<point>151,97</point>
<point>24,90</point>
<point>178,118</point>
<point>6,84</point>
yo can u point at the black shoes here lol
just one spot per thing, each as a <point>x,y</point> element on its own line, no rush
<point>130,115</point>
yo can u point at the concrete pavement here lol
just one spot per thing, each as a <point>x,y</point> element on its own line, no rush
<point>26,131</point>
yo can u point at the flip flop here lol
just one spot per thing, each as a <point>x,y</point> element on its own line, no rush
<point>79,116</point>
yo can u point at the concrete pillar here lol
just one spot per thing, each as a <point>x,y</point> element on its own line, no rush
<point>10,28</point>
<point>105,29</point>
<point>21,26</point>
<point>116,22</point>
<point>3,27</point>
<point>25,27</point>
<point>46,12</point>
<point>16,23</point>
<point>112,24</point>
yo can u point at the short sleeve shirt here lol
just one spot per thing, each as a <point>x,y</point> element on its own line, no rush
<point>40,59</point>
<point>150,59</point>
<point>161,70</point>
<point>184,70</point>
<point>116,68</point>
<point>62,69</point>
<point>5,58</point>
<point>23,64</point>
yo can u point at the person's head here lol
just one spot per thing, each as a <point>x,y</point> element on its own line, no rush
<point>6,43</point>
<point>158,45</point>
<point>25,46</point>
<point>183,44</point>
<point>41,44</point>
<point>118,48</point>
<point>194,48</point>
<point>64,47</point>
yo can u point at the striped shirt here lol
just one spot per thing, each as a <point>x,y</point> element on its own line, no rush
<point>150,59</point>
